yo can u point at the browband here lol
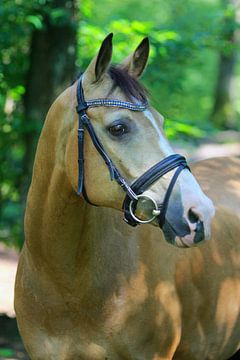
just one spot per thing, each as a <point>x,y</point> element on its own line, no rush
<point>144,181</point>
<point>117,103</point>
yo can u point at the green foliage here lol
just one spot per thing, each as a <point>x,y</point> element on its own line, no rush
<point>6,352</point>
<point>182,130</point>
<point>19,19</point>
<point>14,42</point>
<point>186,39</point>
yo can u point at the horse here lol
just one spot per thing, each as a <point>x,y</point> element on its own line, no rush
<point>90,286</point>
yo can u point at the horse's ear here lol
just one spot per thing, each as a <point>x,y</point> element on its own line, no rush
<point>135,63</point>
<point>100,63</point>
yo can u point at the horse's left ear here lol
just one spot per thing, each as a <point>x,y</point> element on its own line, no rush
<point>135,63</point>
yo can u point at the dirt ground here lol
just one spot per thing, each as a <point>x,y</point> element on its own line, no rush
<point>11,347</point>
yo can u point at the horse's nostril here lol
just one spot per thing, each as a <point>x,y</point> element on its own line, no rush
<point>192,216</point>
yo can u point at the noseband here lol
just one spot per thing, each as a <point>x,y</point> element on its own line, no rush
<point>135,191</point>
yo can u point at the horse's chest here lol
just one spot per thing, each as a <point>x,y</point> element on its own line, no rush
<point>139,322</point>
<point>133,324</point>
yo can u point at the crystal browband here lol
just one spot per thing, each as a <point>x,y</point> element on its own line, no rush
<point>117,103</point>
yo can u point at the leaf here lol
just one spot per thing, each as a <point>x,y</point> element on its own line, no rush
<point>36,21</point>
<point>6,352</point>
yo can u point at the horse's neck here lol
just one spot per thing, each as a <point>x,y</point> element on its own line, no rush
<point>64,234</point>
<point>67,236</point>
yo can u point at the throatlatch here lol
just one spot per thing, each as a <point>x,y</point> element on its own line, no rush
<point>137,188</point>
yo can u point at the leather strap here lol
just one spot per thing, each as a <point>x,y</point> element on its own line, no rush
<point>84,122</point>
<point>151,176</point>
<point>144,181</point>
<point>114,172</point>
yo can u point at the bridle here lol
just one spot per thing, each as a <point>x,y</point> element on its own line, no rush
<point>134,191</point>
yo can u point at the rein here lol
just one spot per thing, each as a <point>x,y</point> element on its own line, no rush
<point>134,191</point>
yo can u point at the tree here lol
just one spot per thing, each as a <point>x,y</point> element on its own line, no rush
<point>38,53</point>
<point>224,114</point>
<point>51,69</point>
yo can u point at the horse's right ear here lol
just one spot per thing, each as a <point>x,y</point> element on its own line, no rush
<point>100,63</point>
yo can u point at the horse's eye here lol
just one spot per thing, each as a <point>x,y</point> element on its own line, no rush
<point>118,129</point>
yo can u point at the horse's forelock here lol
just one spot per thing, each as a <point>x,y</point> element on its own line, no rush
<point>131,88</point>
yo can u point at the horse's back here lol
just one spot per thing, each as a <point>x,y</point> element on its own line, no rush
<point>208,276</point>
<point>220,179</point>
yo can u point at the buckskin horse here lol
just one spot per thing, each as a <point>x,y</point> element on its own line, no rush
<point>90,286</point>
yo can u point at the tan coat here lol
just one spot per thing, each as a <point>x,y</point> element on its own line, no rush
<point>90,287</point>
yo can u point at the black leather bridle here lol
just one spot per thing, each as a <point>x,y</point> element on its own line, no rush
<point>137,188</point>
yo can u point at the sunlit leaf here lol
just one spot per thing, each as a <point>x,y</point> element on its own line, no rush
<point>35,20</point>
<point>6,352</point>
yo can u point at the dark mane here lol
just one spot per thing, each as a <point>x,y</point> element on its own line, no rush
<point>129,86</point>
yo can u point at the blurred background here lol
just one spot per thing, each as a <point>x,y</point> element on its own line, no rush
<point>193,78</point>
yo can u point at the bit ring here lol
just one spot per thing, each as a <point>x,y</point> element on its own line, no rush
<point>155,211</point>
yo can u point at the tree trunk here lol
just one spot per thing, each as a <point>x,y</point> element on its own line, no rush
<point>224,114</point>
<point>51,70</point>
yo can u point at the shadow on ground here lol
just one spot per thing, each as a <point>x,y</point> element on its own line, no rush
<point>11,346</point>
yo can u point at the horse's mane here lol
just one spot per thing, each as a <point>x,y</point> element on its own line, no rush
<point>128,85</point>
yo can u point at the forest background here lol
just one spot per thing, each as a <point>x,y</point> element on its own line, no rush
<point>193,73</point>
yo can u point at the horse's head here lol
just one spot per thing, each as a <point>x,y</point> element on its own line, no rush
<point>135,141</point>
